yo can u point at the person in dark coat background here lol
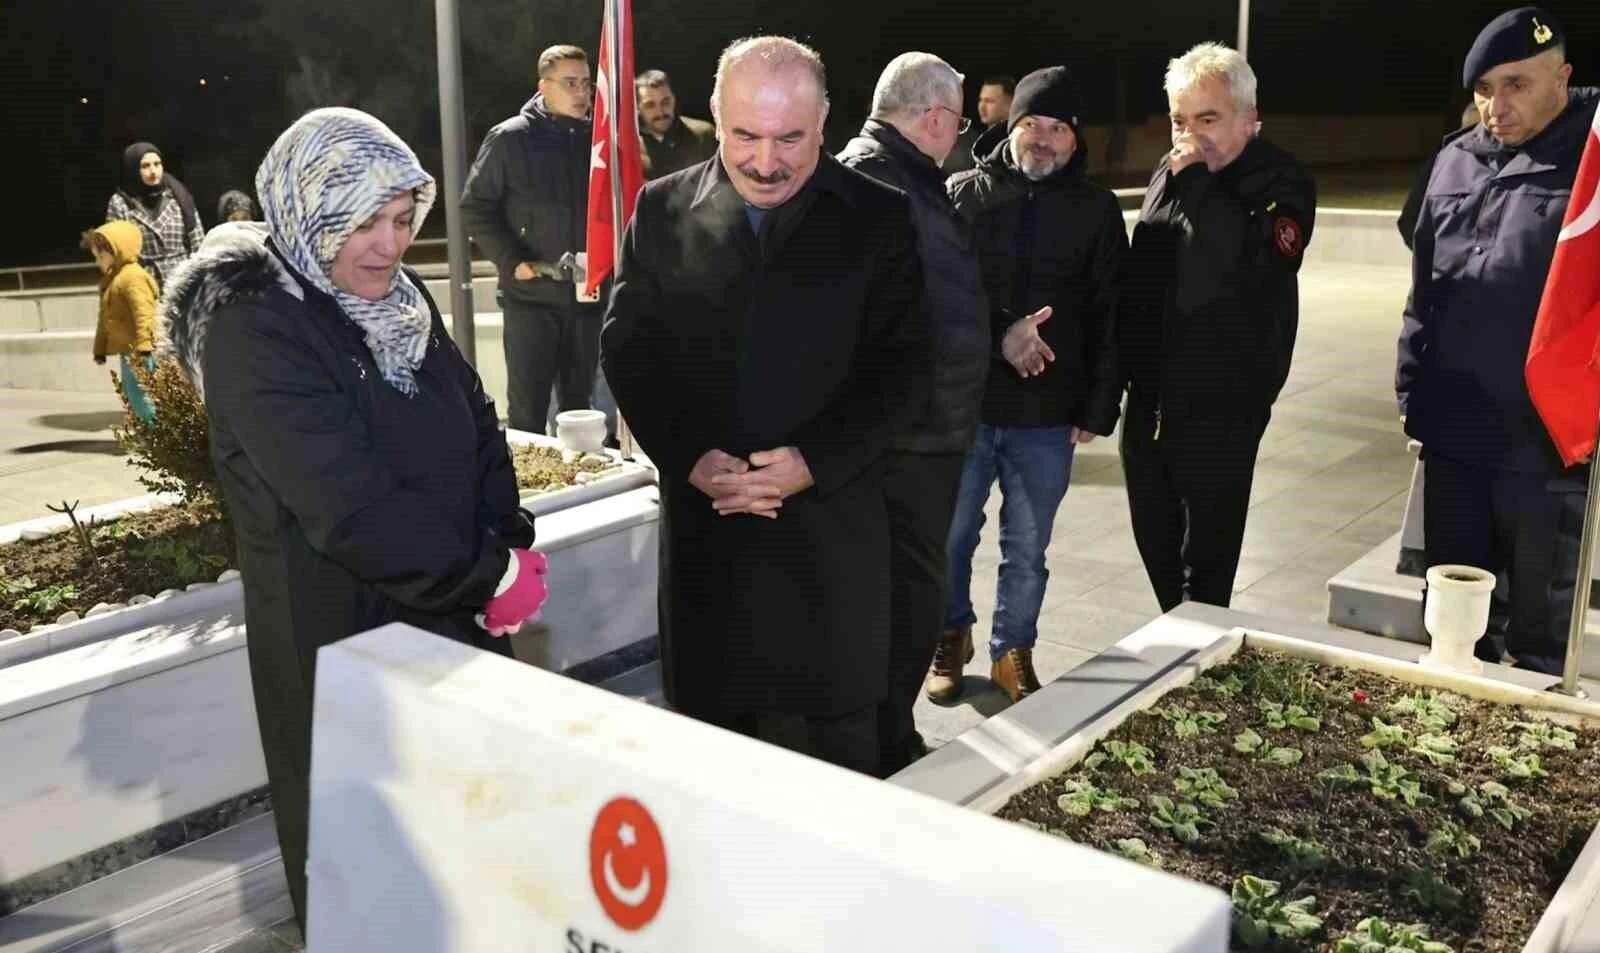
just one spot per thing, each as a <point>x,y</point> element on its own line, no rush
<point>361,463</point>
<point>1212,306</point>
<point>916,117</point>
<point>994,109</point>
<point>525,205</point>
<point>765,340</point>
<point>235,206</point>
<point>1050,248</point>
<point>1496,495</point>
<point>155,200</point>
<point>672,141</point>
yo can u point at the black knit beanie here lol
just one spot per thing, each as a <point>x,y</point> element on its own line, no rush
<point>1048,92</point>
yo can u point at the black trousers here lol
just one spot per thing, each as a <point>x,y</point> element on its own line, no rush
<point>849,740</point>
<point>1527,527</point>
<point>1188,483</point>
<point>548,345</point>
<point>920,492</point>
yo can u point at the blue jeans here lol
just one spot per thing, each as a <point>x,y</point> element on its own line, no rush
<point>1033,465</point>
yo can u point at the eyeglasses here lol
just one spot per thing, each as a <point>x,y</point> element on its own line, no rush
<point>574,85</point>
<point>962,122</point>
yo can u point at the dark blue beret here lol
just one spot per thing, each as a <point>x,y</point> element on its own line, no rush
<point>1511,36</point>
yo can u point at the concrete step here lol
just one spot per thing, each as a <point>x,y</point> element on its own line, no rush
<point>63,360</point>
<point>76,309</point>
<point>191,900</point>
<point>1369,596</point>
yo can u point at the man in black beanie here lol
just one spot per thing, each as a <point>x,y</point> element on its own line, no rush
<point>1496,494</point>
<point>1050,248</point>
<point>1208,326</point>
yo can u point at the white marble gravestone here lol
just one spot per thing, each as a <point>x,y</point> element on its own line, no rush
<point>463,802</point>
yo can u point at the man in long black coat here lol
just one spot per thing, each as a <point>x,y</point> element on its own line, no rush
<point>765,340</point>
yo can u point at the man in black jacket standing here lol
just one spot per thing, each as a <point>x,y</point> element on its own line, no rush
<point>1050,248</point>
<point>765,340</point>
<point>526,206</point>
<point>1211,310</point>
<point>916,117</point>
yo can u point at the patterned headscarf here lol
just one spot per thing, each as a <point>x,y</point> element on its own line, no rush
<point>326,175</point>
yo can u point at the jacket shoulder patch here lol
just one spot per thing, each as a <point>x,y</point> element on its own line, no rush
<point>1287,237</point>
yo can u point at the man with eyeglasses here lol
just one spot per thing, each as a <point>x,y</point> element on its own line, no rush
<point>525,205</point>
<point>916,118</point>
<point>1050,249</point>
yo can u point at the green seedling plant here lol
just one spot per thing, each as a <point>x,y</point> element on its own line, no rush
<point>1451,838</point>
<point>1182,820</point>
<point>1431,892</point>
<point>1228,686</point>
<point>1518,765</point>
<point>1187,723</point>
<point>1136,850</point>
<point>1427,710</point>
<point>1376,935</point>
<point>1083,798</point>
<point>1279,678</point>
<point>1437,748</point>
<point>187,563</point>
<point>47,601</point>
<point>17,587</point>
<point>1132,755</point>
<point>1543,734</point>
<point>1281,717</point>
<point>1262,917</point>
<point>1204,786</point>
<point>1251,743</point>
<point>1491,799</point>
<point>1385,735</point>
<point>1302,855</point>
<point>117,532</point>
<point>1384,779</point>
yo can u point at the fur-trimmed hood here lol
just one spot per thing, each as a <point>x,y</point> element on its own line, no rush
<point>233,262</point>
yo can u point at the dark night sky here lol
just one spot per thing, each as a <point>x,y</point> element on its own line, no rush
<point>139,63</point>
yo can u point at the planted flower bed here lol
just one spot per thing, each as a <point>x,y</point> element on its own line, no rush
<point>1343,810</point>
<point>109,563</point>
<point>549,469</point>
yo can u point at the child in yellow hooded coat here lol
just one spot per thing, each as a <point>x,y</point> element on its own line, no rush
<point>127,325</point>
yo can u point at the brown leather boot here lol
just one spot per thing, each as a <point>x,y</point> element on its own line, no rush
<point>1013,674</point>
<point>952,655</point>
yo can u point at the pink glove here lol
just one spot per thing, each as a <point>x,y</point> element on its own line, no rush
<point>520,595</point>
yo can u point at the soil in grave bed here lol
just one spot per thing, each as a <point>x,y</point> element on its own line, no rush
<point>1373,798</point>
<point>141,554</point>
<point>546,469</point>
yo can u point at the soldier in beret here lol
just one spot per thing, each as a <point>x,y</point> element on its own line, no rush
<point>1496,494</point>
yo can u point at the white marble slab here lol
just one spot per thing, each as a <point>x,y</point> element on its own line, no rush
<point>461,802</point>
<point>604,566</point>
<point>108,740</point>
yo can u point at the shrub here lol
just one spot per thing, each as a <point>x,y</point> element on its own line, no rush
<point>173,452</point>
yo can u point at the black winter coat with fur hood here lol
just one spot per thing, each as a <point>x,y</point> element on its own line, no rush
<point>354,505</point>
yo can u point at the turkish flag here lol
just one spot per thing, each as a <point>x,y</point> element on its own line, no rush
<point>1563,370</point>
<point>612,93</point>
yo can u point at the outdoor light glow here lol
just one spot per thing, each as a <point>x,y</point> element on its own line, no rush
<point>202,82</point>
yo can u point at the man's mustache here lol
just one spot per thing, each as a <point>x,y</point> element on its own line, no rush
<point>773,178</point>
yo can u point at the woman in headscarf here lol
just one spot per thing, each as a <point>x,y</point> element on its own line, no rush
<point>360,460</point>
<point>153,199</point>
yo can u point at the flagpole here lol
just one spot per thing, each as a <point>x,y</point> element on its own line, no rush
<point>453,126</point>
<point>620,86</point>
<point>1581,585</point>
